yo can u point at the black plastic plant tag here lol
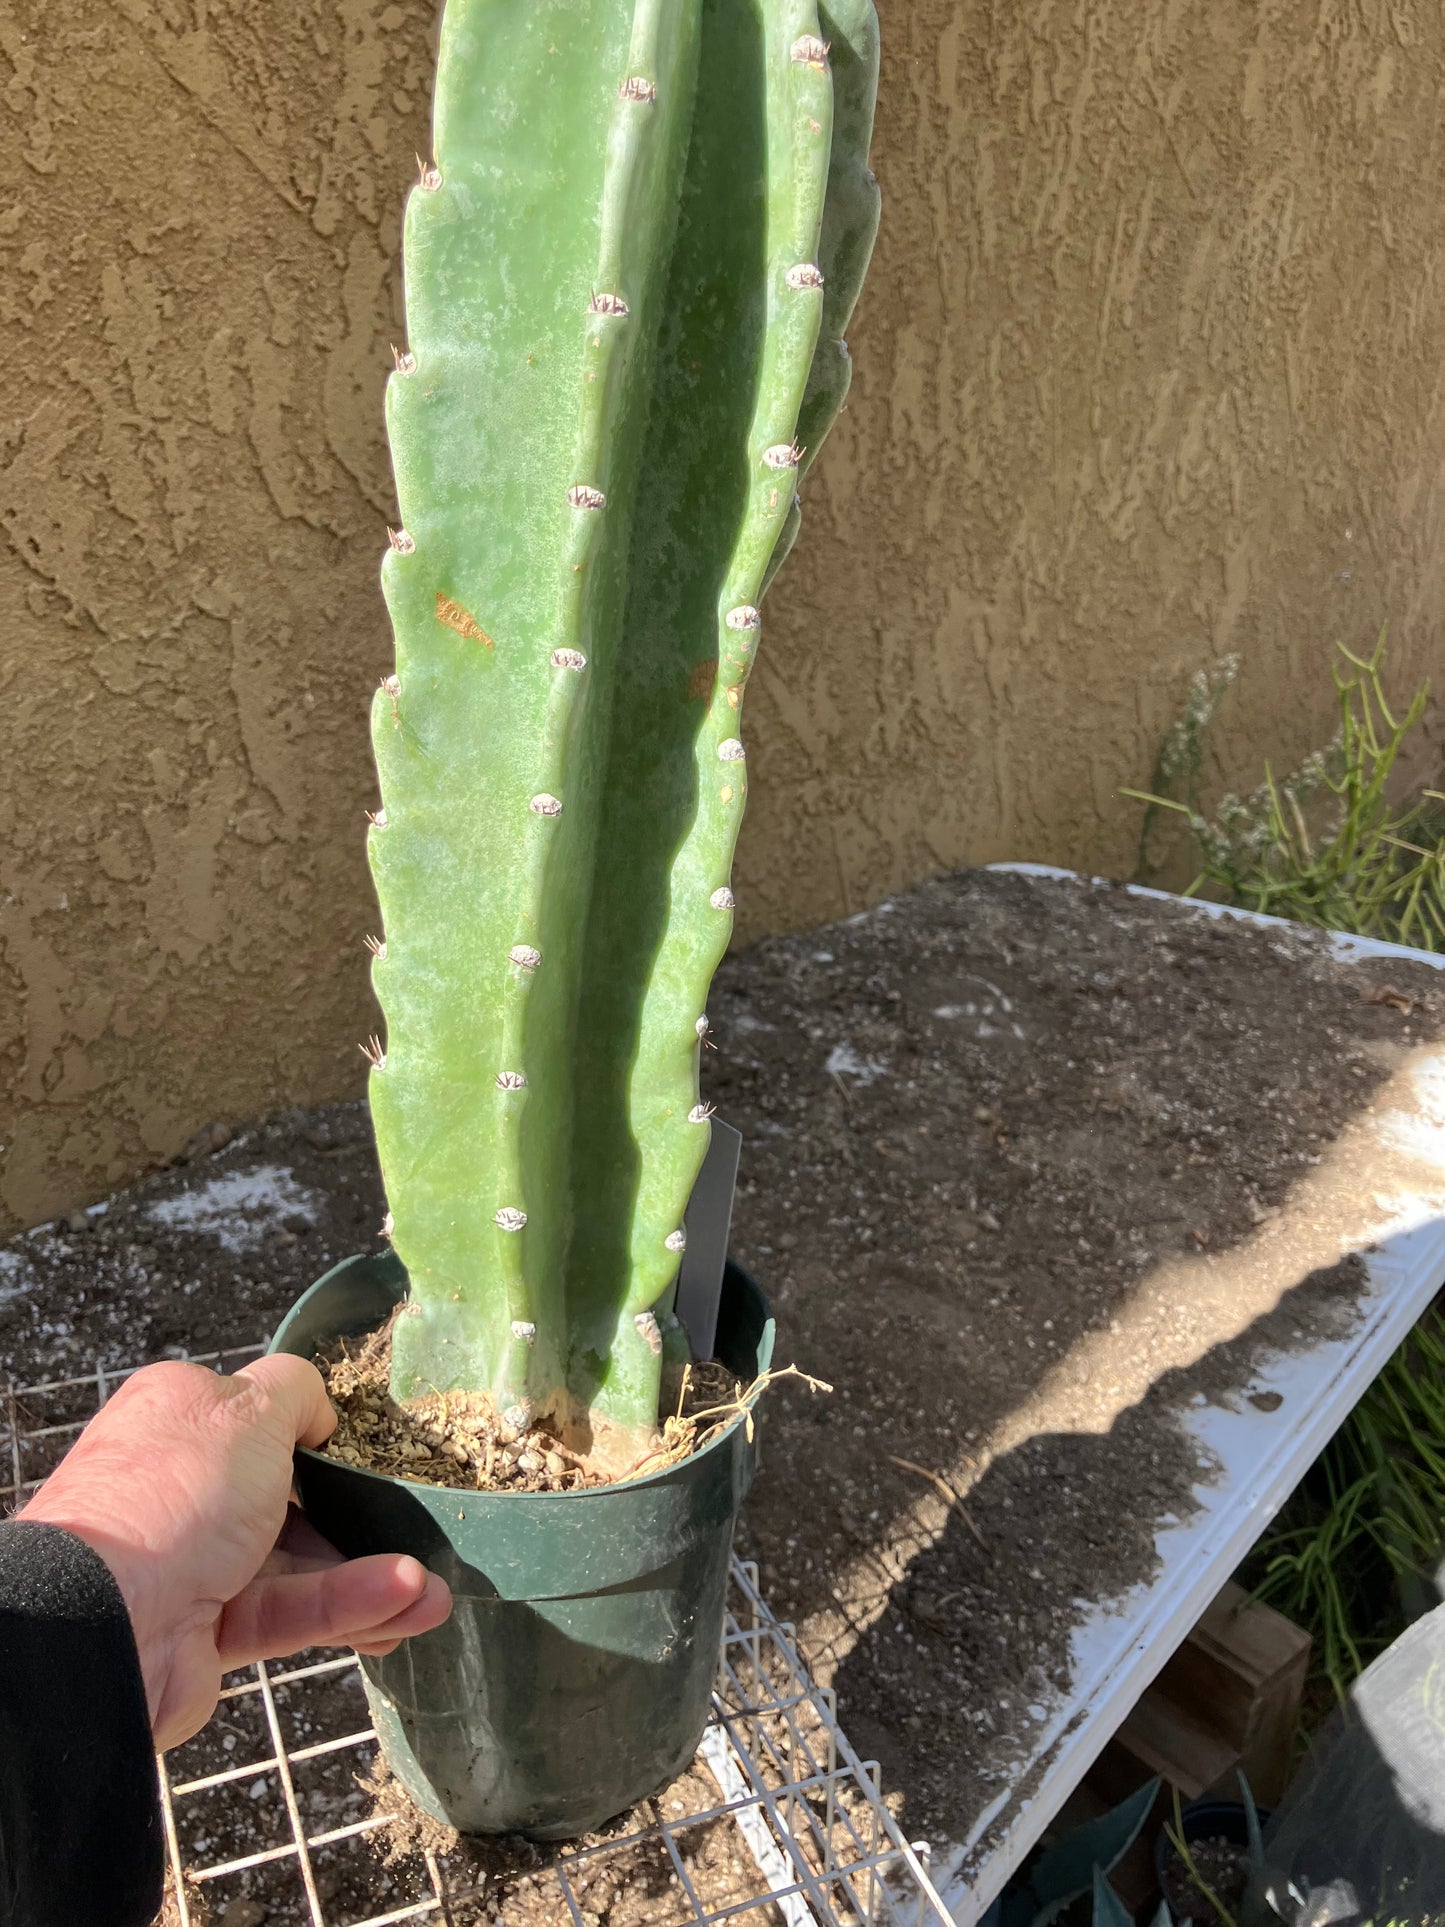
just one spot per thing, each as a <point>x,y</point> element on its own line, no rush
<point>707,1223</point>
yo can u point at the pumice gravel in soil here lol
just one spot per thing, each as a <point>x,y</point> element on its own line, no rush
<point>459,1440</point>
<point>454,1439</point>
<point>1030,1169</point>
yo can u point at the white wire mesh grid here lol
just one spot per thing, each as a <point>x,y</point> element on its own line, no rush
<point>777,1822</point>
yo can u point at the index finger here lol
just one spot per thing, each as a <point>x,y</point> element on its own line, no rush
<point>296,1392</point>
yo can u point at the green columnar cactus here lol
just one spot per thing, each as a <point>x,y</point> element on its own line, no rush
<point>628,268</point>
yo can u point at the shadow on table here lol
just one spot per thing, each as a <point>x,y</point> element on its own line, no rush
<point>948,1686</point>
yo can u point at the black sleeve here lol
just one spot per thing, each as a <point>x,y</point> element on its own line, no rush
<point>80,1821</point>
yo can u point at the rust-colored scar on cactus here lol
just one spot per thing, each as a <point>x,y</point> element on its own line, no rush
<point>453,616</point>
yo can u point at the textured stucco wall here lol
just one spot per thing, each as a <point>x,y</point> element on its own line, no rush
<point>1149,369</point>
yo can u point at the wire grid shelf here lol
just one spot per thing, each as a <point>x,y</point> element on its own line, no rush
<point>777,1821</point>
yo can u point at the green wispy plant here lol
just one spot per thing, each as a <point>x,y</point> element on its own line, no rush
<point>1326,845</point>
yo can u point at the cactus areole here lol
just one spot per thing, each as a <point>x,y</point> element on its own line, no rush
<point>628,264</point>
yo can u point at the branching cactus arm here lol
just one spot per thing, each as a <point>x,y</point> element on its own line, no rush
<point>819,222</point>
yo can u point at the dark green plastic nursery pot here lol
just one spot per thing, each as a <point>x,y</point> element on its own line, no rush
<point>574,1674</point>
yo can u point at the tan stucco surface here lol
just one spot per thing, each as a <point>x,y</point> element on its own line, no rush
<point>1149,370</point>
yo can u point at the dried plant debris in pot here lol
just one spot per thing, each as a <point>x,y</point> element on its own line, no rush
<point>197,1907</point>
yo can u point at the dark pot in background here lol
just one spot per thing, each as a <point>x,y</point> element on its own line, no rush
<point>573,1677</point>
<point>1205,1820</point>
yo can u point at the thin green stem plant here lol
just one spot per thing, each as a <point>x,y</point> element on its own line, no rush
<point>1326,845</point>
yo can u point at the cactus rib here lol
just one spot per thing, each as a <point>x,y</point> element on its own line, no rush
<point>606,326</point>
<point>664,1078</point>
<point>752,209</point>
<point>850,227</point>
<point>850,214</point>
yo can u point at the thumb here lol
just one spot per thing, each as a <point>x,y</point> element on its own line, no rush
<point>293,1390</point>
<point>387,1596</point>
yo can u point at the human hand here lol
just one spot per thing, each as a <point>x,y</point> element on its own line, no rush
<point>182,1484</point>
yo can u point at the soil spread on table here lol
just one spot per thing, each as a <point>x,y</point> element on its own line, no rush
<point>459,1439</point>
<point>1031,1168</point>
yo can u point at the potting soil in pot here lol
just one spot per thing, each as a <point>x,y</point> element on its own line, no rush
<point>457,1439</point>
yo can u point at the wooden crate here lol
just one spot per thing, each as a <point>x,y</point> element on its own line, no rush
<point>1227,1702</point>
